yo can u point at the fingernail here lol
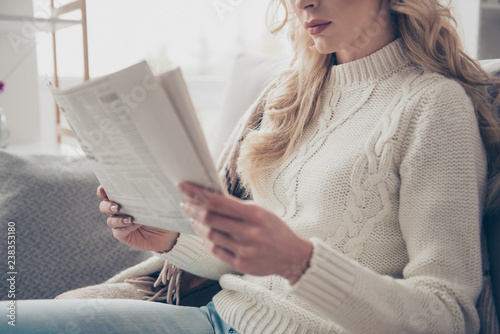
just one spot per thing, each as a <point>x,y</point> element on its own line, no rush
<point>114,208</point>
<point>181,187</point>
<point>127,220</point>
<point>185,206</point>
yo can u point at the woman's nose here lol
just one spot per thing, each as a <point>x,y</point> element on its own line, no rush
<point>304,4</point>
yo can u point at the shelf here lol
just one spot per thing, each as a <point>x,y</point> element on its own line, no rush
<point>27,25</point>
<point>33,148</point>
<point>15,23</point>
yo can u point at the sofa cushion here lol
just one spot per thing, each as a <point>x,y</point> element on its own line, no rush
<point>62,240</point>
<point>249,75</point>
<point>491,66</point>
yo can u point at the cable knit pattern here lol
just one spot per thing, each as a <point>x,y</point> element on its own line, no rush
<point>388,182</point>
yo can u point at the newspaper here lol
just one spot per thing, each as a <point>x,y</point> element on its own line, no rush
<point>141,135</point>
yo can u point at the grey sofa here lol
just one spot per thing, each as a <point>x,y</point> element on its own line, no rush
<point>62,240</point>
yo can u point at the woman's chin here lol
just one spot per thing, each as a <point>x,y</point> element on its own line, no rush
<point>325,48</point>
<point>323,51</point>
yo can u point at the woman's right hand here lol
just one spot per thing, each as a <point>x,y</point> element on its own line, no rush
<point>145,238</point>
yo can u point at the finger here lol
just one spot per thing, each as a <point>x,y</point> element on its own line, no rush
<point>120,221</point>
<point>101,193</point>
<point>210,219</point>
<point>223,254</point>
<point>225,205</point>
<point>213,238</point>
<point>222,240</point>
<point>123,233</point>
<point>195,192</point>
<point>109,207</point>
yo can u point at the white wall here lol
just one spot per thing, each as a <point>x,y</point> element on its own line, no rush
<point>20,98</point>
<point>467,13</point>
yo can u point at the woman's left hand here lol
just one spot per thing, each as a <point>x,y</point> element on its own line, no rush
<point>247,237</point>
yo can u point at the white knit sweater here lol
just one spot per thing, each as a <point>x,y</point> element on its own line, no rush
<point>388,183</point>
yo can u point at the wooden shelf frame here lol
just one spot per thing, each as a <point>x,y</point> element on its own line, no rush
<point>52,24</point>
<point>56,12</point>
<point>42,24</point>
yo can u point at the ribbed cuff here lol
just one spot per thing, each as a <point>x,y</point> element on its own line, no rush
<point>328,280</point>
<point>187,250</point>
<point>190,254</point>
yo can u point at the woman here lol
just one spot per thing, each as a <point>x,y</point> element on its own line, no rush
<point>367,173</point>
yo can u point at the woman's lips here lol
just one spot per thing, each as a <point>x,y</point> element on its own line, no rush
<point>315,27</point>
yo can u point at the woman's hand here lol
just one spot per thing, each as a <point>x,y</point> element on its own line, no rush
<point>140,237</point>
<point>247,237</point>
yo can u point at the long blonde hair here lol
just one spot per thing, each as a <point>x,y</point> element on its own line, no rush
<point>429,35</point>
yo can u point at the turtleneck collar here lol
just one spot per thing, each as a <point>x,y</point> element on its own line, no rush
<point>372,67</point>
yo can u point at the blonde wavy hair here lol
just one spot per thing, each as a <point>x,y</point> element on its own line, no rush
<point>429,34</point>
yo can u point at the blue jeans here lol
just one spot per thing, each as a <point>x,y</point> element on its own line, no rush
<point>72,316</point>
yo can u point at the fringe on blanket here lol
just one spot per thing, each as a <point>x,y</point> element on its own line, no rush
<point>165,288</point>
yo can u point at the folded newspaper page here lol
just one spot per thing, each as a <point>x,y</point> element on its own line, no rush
<point>141,136</point>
